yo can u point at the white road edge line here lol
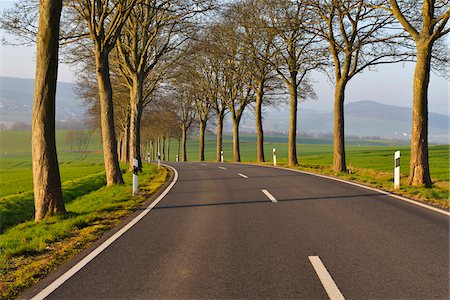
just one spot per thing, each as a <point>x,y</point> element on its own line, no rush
<point>72,271</point>
<point>444,212</point>
<point>242,175</point>
<point>269,195</point>
<point>223,168</point>
<point>325,278</point>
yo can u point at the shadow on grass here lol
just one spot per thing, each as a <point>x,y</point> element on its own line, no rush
<point>18,208</point>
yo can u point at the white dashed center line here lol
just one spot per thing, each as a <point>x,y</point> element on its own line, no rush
<point>330,287</point>
<point>269,195</point>
<point>223,168</point>
<point>242,175</point>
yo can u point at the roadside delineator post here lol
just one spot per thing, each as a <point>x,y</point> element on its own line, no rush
<point>148,157</point>
<point>274,156</point>
<point>397,170</point>
<point>135,176</point>
<point>221,156</point>
<point>177,158</point>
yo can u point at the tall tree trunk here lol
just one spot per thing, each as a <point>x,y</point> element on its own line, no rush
<point>119,148</point>
<point>219,136</point>
<point>163,151</point>
<point>46,179</point>
<point>201,140</point>
<point>183,142</point>
<point>150,149</point>
<point>125,151</point>
<point>178,147</point>
<point>292,139</point>
<point>136,96</point>
<point>112,168</point>
<point>168,148</point>
<point>158,147</point>
<point>154,150</point>
<point>419,165</point>
<point>236,148</point>
<point>259,126</point>
<point>339,163</point>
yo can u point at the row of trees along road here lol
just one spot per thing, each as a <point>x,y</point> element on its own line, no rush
<point>162,65</point>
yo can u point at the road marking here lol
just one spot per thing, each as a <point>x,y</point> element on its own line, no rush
<point>269,195</point>
<point>204,165</point>
<point>441,211</point>
<point>223,168</point>
<point>72,271</point>
<point>242,175</point>
<point>325,277</point>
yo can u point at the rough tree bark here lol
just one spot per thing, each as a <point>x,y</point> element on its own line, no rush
<point>419,165</point>
<point>168,148</point>
<point>219,140</point>
<point>163,145</point>
<point>125,156</point>
<point>292,139</point>
<point>136,96</point>
<point>236,148</point>
<point>46,179</point>
<point>183,142</point>
<point>259,126</point>
<point>201,140</point>
<point>178,147</point>
<point>339,162</point>
<point>112,168</point>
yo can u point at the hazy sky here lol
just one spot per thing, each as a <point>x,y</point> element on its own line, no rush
<point>390,84</point>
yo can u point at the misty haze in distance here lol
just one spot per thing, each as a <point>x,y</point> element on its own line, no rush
<point>365,118</point>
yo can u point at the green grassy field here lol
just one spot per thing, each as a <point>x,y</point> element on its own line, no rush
<point>15,161</point>
<point>16,175</point>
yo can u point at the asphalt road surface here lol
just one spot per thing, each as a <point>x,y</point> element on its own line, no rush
<point>217,234</point>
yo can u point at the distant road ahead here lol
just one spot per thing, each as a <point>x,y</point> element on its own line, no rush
<point>241,231</point>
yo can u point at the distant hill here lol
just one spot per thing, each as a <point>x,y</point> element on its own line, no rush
<point>16,101</point>
<point>363,119</point>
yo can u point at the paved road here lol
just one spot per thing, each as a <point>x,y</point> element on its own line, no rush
<point>217,235</point>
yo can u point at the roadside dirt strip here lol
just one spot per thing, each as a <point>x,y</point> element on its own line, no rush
<point>242,231</point>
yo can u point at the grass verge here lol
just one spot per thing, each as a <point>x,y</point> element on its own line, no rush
<point>29,251</point>
<point>437,196</point>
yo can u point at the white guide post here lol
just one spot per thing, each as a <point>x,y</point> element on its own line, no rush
<point>274,156</point>
<point>221,156</point>
<point>135,177</point>
<point>148,157</point>
<point>397,170</point>
<point>177,158</point>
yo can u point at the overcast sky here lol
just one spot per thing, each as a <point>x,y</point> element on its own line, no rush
<point>389,84</point>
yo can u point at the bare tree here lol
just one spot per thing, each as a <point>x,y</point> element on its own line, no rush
<point>181,102</point>
<point>296,54</point>
<point>426,21</point>
<point>105,20</point>
<point>358,36</point>
<point>46,179</point>
<point>260,50</point>
<point>145,38</point>
<point>209,66</point>
<point>235,80</point>
<point>202,107</point>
